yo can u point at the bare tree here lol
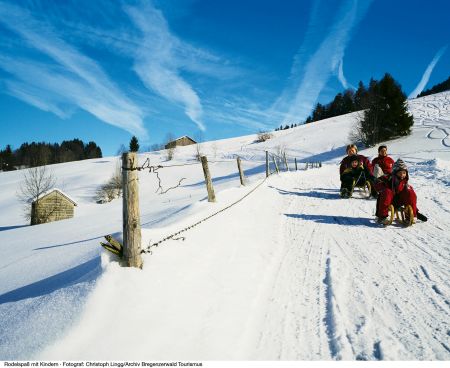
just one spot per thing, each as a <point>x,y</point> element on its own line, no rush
<point>170,146</point>
<point>35,182</point>
<point>263,136</point>
<point>112,189</point>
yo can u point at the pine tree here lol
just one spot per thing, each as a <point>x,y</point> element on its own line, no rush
<point>361,97</point>
<point>398,121</point>
<point>386,116</point>
<point>134,144</point>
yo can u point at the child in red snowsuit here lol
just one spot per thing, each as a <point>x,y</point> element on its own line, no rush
<point>394,189</point>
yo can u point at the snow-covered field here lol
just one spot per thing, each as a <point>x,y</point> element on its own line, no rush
<point>291,272</point>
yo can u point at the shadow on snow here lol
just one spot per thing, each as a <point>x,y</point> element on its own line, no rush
<point>84,272</point>
<point>333,220</point>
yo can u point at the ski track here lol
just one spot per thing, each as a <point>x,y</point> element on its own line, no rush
<point>344,294</point>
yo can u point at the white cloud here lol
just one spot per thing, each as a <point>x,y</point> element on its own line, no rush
<point>157,65</point>
<point>71,79</point>
<point>324,62</point>
<point>341,76</point>
<point>426,75</point>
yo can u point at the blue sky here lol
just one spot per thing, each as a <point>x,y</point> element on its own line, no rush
<point>106,70</point>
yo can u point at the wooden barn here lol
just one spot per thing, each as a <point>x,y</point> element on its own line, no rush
<point>53,205</point>
<point>182,141</point>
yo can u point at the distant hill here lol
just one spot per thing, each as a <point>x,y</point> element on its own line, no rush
<point>441,87</point>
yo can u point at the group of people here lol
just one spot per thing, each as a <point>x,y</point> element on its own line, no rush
<point>388,181</point>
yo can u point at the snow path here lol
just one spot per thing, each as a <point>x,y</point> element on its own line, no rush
<point>320,281</point>
<point>344,292</point>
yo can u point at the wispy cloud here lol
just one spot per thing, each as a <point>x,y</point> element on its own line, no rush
<point>426,75</point>
<point>325,61</point>
<point>69,79</point>
<point>341,76</point>
<point>157,65</point>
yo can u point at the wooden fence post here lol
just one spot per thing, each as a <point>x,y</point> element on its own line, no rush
<point>295,160</point>
<point>267,164</point>
<point>285,161</point>
<point>241,174</point>
<point>275,163</point>
<point>131,216</point>
<point>209,186</point>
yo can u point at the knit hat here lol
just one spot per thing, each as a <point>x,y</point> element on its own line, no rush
<point>399,165</point>
<point>381,147</point>
<point>354,158</point>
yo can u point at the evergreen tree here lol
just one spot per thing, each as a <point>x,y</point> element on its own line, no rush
<point>6,159</point>
<point>386,116</point>
<point>134,144</point>
<point>318,112</point>
<point>361,97</point>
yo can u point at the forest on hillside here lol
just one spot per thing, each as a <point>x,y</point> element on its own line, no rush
<point>41,153</point>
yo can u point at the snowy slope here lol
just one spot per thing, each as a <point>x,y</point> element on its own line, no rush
<point>291,272</point>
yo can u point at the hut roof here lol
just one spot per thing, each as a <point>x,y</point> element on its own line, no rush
<point>60,192</point>
<point>184,136</point>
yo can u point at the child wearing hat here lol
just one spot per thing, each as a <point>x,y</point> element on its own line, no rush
<point>355,174</point>
<point>394,189</point>
<point>346,165</point>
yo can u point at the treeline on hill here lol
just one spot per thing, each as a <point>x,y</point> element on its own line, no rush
<point>383,110</point>
<point>343,103</point>
<point>440,87</point>
<point>41,153</point>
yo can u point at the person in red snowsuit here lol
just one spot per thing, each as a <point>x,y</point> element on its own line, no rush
<point>394,189</point>
<point>383,160</point>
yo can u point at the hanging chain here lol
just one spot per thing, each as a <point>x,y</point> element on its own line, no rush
<point>148,249</point>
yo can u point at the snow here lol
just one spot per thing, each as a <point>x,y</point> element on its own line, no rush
<point>291,272</point>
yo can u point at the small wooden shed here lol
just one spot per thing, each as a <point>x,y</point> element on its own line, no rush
<point>53,205</point>
<point>182,141</point>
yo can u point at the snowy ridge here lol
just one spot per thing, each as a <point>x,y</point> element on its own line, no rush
<point>292,272</point>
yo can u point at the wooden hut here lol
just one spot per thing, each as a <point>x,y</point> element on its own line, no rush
<point>53,205</point>
<point>182,141</point>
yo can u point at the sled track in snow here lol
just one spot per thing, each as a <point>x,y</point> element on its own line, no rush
<point>345,291</point>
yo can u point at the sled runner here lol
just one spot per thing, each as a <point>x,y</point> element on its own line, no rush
<point>112,245</point>
<point>364,189</point>
<point>403,214</point>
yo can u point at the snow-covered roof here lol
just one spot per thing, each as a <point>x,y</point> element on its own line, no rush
<point>59,191</point>
<point>184,136</point>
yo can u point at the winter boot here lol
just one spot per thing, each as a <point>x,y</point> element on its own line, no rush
<point>421,217</point>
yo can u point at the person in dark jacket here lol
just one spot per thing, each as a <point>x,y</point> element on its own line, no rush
<point>364,161</point>
<point>355,175</point>
<point>384,162</point>
<point>394,189</point>
<point>353,150</point>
